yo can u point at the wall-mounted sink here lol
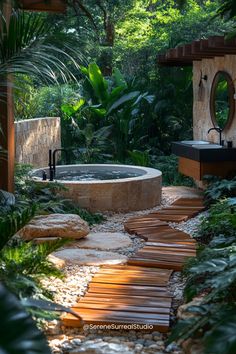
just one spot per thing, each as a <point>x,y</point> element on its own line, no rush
<point>207,146</point>
<point>203,152</point>
<point>195,142</point>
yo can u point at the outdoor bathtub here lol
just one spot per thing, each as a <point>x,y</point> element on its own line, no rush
<point>124,187</point>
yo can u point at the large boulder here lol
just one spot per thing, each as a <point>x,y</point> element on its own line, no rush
<point>55,225</point>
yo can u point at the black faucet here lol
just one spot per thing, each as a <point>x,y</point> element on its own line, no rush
<point>52,162</point>
<point>218,130</point>
<point>54,159</point>
<point>51,172</point>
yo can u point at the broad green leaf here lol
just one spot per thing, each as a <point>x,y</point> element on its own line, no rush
<point>122,100</point>
<point>98,82</point>
<point>119,78</point>
<point>100,112</point>
<point>222,338</point>
<point>68,109</point>
<point>215,265</point>
<point>47,306</point>
<point>84,70</point>
<point>115,93</point>
<point>19,333</point>
<point>79,104</point>
<point>7,198</point>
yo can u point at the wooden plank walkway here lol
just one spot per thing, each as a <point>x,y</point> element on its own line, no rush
<point>126,295</point>
<point>165,247</point>
<point>137,293</point>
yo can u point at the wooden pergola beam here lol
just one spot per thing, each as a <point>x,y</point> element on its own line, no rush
<point>214,46</point>
<point>42,5</point>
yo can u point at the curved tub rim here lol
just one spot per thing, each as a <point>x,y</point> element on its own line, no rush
<point>150,173</point>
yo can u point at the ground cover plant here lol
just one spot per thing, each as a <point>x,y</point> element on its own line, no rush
<point>211,277</point>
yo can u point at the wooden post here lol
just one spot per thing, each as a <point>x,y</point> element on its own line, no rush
<point>7,136</point>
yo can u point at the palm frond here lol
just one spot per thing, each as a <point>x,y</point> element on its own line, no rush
<point>26,47</point>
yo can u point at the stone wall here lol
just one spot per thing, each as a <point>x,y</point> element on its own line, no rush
<point>201,104</point>
<point>34,137</point>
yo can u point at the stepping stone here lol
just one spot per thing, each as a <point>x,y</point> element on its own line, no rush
<point>90,347</point>
<point>104,241</point>
<point>89,257</point>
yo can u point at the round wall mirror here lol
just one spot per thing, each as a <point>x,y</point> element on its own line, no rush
<point>222,100</point>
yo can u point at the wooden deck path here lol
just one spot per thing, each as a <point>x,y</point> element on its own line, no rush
<point>137,293</point>
<point>166,247</point>
<point>126,295</point>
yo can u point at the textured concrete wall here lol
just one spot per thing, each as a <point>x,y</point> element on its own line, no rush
<point>201,105</point>
<point>34,137</point>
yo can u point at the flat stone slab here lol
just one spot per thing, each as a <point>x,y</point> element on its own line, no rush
<point>104,241</point>
<point>102,347</point>
<point>89,257</point>
<point>55,225</point>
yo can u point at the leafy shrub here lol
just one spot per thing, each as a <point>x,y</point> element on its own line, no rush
<point>24,264</point>
<point>219,188</point>
<point>215,324</point>
<point>168,165</point>
<point>212,274</point>
<point>220,222</point>
<point>11,222</point>
<point>140,158</point>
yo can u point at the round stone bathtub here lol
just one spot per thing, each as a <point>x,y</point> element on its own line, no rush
<point>119,187</point>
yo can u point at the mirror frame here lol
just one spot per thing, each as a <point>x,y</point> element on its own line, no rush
<point>231,99</point>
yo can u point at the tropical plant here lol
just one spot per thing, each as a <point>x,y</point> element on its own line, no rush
<point>220,223</point>
<point>111,104</point>
<point>213,324</point>
<point>19,333</point>
<point>212,276</point>
<point>23,265</point>
<point>170,175</point>
<point>12,217</point>
<point>140,158</point>
<point>219,188</point>
<point>26,48</point>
